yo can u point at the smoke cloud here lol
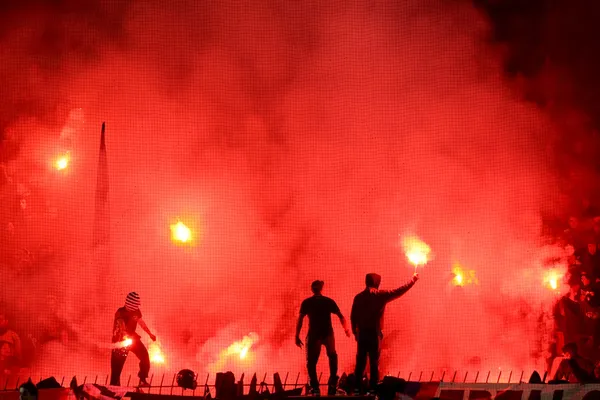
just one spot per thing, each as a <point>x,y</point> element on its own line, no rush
<point>298,141</point>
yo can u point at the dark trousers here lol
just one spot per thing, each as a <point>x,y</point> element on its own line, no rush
<point>368,344</point>
<point>313,351</point>
<point>119,356</point>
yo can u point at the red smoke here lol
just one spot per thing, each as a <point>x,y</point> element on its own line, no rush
<point>297,141</point>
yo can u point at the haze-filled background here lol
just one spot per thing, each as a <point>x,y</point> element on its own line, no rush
<point>298,141</point>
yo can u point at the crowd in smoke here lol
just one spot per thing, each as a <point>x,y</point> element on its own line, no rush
<point>298,142</point>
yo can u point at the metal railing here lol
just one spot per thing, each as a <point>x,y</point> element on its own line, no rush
<point>169,386</point>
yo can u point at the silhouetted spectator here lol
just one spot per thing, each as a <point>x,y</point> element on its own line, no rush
<point>367,323</point>
<point>10,347</point>
<point>590,258</point>
<point>568,316</point>
<point>573,235</point>
<point>319,308</point>
<point>589,289</point>
<point>125,324</point>
<point>574,368</point>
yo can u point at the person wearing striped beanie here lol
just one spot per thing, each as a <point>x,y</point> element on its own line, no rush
<point>125,339</point>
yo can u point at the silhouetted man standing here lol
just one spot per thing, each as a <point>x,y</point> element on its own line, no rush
<point>126,339</point>
<point>367,323</point>
<point>319,308</point>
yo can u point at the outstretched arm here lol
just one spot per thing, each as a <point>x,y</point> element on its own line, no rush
<point>390,295</point>
<point>298,330</point>
<point>146,329</point>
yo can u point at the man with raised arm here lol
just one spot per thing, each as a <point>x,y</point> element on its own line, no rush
<point>367,324</point>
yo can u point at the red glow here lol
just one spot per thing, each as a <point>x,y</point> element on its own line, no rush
<point>294,143</point>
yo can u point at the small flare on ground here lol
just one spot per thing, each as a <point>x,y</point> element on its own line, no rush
<point>242,347</point>
<point>156,355</point>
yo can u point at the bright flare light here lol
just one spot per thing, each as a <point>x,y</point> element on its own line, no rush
<point>180,232</point>
<point>463,277</point>
<point>156,355</point>
<point>416,251</point>
<point>552,279</point>
<point>242,347</point>
<point>124,343</point>
<point>62,162</point>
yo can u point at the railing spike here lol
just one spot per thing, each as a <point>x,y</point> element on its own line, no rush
<point>161,384</point>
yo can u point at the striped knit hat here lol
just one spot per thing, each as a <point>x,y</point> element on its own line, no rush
<point>132,302</point>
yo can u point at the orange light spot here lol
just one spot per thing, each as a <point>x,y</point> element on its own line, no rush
<point>181,233</point>
<point>156,355</point>
<point>242,347</point>
<point>463,277</point>
<point>62,162</point>
<point>552,279</point>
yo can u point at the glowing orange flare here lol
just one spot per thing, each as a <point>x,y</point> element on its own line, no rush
<point>180,232</point>
<point>463,277</point>
<point>242,347</point>
<point>552,279</point>
<point>122,344</point>
<point>62,162</point>
<point>156,355</point>
<point>416,250</point>
<point>244,352</point>
<point>458,279</point>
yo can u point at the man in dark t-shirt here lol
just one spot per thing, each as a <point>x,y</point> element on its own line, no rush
<point>319,308</point>
<point>126,339</point>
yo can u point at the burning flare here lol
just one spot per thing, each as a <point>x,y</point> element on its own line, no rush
<point>156,355</point>
<point>122,344</point>
<point>552,278</point>
<point>416,251</point>
<point>62,162</point>
<point>463,277</point>
<point>180,233</point>
<point>242,347</point>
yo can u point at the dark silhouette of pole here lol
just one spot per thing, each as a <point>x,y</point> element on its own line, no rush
<point>101,234</point>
